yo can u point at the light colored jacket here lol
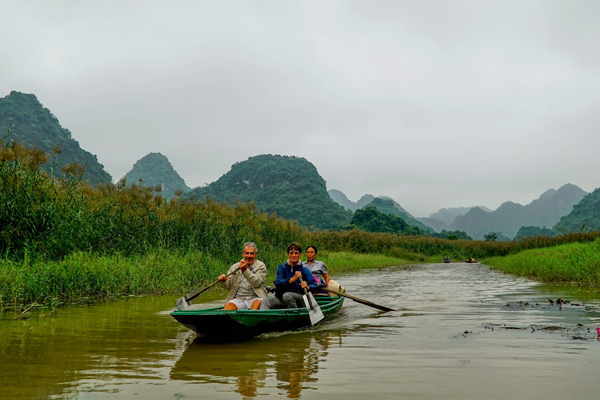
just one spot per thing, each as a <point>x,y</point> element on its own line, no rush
<point>255,275</point>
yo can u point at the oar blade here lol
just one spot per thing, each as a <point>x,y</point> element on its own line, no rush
<point>182,303</point>
<point>314,311</point>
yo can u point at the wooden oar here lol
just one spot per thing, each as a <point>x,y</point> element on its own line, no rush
<point>358,300</point>
<point>314,311</point>
<point>184,302</point>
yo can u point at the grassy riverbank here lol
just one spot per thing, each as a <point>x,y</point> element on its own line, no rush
<point>84,277</point>
<point>570,263</point>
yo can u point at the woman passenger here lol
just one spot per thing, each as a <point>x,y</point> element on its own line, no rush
<point>316,267</point>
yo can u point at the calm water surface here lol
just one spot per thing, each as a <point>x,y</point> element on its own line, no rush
<point>461,332</point>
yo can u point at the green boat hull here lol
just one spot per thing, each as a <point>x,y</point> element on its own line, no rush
<point>218,323</point>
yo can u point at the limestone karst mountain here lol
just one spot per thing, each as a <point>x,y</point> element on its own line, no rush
<point>35,126</point>
<point>289,186</point>
<point>154,170</point>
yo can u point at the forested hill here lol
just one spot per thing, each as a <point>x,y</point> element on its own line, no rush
<point>585,215</point>
<point>154,170</point>
<point>35,126</point>
<point>388,206</point>
<point>288,186</point>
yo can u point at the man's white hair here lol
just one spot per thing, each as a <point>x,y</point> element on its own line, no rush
<point>250,244</point>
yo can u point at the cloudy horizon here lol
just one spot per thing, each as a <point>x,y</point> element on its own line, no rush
<point>436,104</point>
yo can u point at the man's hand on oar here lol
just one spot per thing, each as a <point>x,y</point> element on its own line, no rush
<point>184,302</point>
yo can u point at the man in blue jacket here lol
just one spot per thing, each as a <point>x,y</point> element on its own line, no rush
<point>292,279</point>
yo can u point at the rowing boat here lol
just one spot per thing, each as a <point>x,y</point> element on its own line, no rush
<point>219,323</point>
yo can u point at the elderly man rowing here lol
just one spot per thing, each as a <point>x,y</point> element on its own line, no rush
<point>247,283</point>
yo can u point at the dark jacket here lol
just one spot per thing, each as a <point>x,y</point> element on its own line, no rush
<point>285,273</point>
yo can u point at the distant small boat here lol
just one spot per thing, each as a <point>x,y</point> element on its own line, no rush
<point>218,323</point>
<point>447,260</point>
<point>472,261</point>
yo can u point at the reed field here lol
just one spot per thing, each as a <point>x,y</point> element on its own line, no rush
<point>569,263</point>
<point>422,248</point>
<point>62,240</point>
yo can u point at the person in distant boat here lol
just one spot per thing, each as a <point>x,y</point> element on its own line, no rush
<point>247,283</point>
<point>292,279</point>
<point>316,267</point>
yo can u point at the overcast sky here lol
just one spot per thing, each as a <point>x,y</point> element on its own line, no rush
<point>433,103</point>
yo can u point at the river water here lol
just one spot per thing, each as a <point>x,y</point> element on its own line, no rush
<point>461,331</point>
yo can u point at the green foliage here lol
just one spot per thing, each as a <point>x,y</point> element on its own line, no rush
<point>527,231</point>
<point>290,187</point>
<point>389,206</point>
<point>573,262</point>
<point>451,235</point>
<point>370,219</point>
<point>154,170</point>
<point>491,237</point>
<point>585,216</point>
<point>50,218</point>
<point>393,244</point>
<point>36,127</point>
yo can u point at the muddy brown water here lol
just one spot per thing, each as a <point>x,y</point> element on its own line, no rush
<point>462,332</point>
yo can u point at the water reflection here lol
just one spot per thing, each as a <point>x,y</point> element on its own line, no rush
<point>291,359</point>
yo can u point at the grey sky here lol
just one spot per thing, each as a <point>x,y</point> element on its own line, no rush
<point>433,103</point>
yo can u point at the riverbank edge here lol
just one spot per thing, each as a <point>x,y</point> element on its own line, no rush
<point>573,263</point>
<point>87,277</point>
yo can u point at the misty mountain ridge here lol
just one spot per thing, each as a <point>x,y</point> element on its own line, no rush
<point>35,126</point>
<point>448,215</point>
<point>385,204</point>
<point>340,198</point>
<point>153,170</point>
<point>289,186</point>
<point>545,211</point>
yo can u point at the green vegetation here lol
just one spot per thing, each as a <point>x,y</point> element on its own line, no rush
<point>154,170</point>
<point>370,219</point>
<point>585,216</point>
<point>530,231</point>
<point>291,187</point>
<point>344,261</point>
<point>389,206</point>
<point>452,235</point>
<point>572,263</point>
<point>84,277</point>
<point>421,247</point>
<point>490,237</point>
<point>36,127</point>
<point>44,217</point>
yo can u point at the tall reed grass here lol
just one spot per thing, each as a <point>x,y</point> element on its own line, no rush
<point>570,263</point>
<point>48,218</point>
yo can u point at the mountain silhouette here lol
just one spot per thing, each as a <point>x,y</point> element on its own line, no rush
<point>35,126</point>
